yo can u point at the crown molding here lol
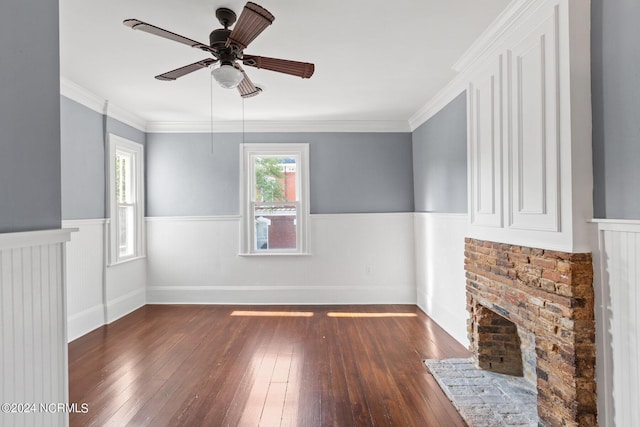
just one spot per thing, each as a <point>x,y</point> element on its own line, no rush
<point>481,47</point>
<point>447,94</point>
<point>495,32</point>
<point>81,95</point>
<point>100,105</point>
<point>125,116</point>
<point>281,126</point>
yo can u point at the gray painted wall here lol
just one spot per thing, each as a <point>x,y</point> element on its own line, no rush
<point>440,160</point>
<point>125,131</point>
<point>83,175</point>
<point>615,57</point>
<point>349,172</point>
<point>83,158</point>
<point>29,116</point>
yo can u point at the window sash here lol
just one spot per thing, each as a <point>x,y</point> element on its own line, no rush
<point>253,219</point>
<point>252,171</point>
<point>126,229</point>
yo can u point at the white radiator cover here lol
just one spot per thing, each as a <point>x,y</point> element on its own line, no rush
<point>33,354</point>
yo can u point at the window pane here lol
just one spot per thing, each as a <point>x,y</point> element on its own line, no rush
<point>126,230</point>
<point>275,179</point>
<point>275,227</point>
<point>124,178</point>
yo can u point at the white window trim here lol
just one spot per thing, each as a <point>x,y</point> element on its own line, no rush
<point>117,143</point>
<point>247,151</point>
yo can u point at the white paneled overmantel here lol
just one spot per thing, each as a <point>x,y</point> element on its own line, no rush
<point>529,127</point>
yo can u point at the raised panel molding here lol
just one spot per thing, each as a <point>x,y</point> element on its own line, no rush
<point>485,145</point>
<point>533,140</point>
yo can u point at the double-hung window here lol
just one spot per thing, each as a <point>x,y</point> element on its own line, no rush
<point>125,199</point>
<point>275,202</point>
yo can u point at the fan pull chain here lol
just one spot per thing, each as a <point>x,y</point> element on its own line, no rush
<point>243,121</point>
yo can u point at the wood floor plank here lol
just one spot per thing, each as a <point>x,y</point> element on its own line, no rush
<point>263,366</point>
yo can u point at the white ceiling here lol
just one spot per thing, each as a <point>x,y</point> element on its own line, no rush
<point>375,61</point>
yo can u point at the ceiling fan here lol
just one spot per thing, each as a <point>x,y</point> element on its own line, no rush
<point>227,47</point>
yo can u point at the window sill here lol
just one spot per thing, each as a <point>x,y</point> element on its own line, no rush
<point>274,254</point>
<point>126,260</point>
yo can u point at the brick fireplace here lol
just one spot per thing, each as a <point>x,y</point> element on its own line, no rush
<point>532,314</point>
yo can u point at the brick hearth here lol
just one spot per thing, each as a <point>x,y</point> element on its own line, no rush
<point>549,294</point>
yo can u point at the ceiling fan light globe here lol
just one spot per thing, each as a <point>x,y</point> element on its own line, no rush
<point>227,76</point>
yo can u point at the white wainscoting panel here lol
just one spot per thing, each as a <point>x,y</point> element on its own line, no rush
<point>619,322</point>
<point>33,354</point>
<point>85,277</point>
<point>440,276</point>
<point>99,293</point>
<point>355,259</point>
<point>125,288</point>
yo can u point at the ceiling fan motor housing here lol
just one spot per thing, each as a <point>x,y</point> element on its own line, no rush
<point>218,38</point>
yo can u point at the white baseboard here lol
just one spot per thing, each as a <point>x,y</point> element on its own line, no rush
<point>281,295</point>
<point>124,305</point>
<point>84,322</point>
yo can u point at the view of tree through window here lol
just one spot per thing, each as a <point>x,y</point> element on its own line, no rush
<point>269,179</point>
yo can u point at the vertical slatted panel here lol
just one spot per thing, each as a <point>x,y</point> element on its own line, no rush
<point>635,335</point>
<point>620,258</point>
<point>6,293</point>
<point>33,351</point>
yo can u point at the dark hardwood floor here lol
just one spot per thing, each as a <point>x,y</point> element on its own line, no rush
<point>262,365</point>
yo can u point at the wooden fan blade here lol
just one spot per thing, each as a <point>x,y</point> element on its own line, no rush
<point>179,72</point>
<point>246,87</point>
<point>295,68</point>
<point>136,24</point>
<point>253,20</point>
